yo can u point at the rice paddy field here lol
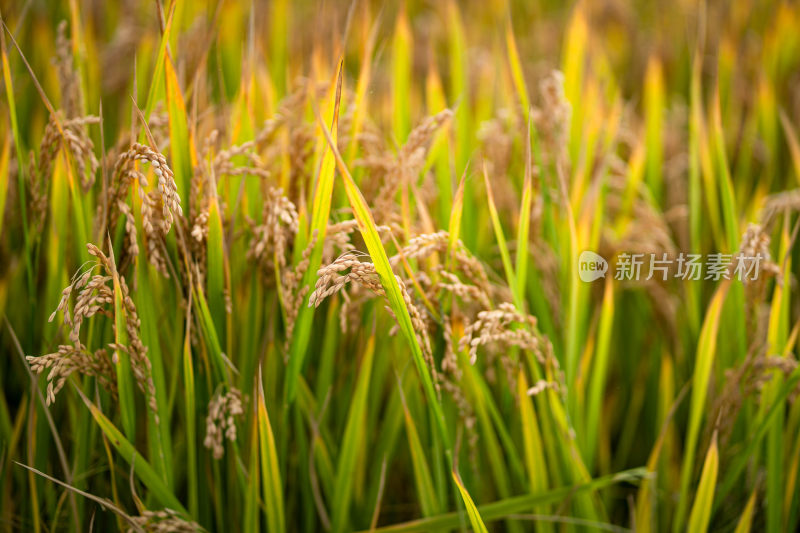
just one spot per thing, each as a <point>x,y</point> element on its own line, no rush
<point>404,266</point>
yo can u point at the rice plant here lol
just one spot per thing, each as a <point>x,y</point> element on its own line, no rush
<point>405,266</point>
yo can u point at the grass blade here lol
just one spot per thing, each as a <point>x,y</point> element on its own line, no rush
<point>140,466</point>
<point>746,520</point>
<point>422,472</point>
<point>320,210</point>
<point>472,511</point>
<point>706,351</point>
<point>369,232</point>
<point>501,240</point>
<point>704,500</point>
<point>352,442</point>
<point>519,504</point>
<point>270,473</point>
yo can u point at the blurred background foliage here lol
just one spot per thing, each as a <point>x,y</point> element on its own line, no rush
<point>680,123</point>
